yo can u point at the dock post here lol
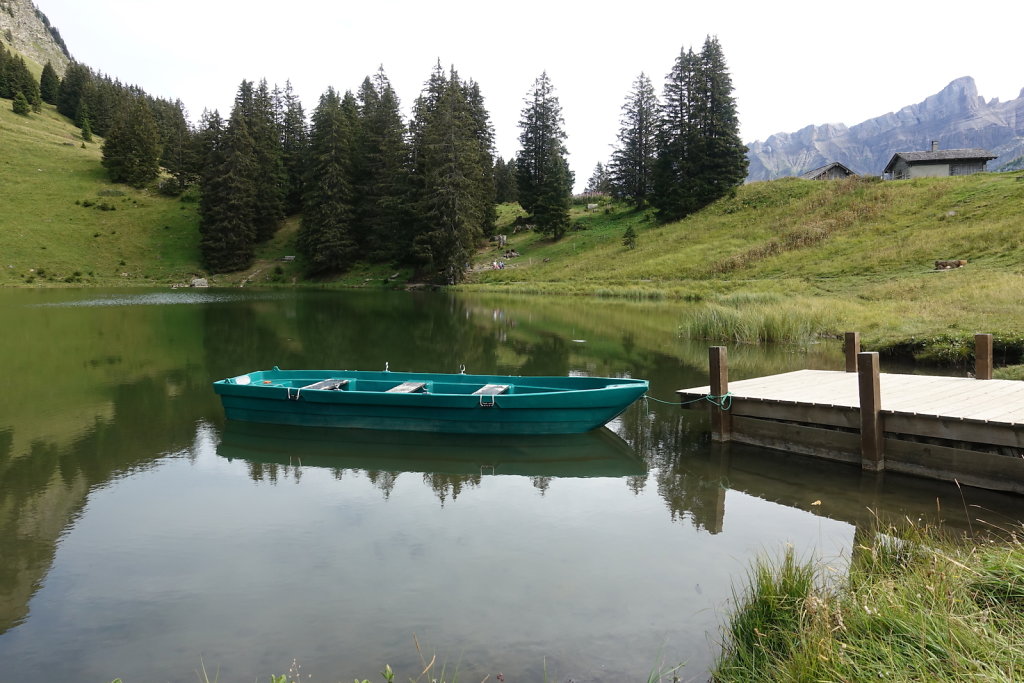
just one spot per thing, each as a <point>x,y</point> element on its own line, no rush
<point>872,435</point>
<point>721,420</point>
<point>983,356</point>
<point>851,344</point>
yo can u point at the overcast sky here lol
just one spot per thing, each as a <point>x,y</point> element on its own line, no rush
<point>793,62</point>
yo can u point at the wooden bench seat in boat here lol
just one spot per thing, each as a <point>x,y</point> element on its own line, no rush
<point>328,384</point>
<point>491,390</point>
<point>407,388</point>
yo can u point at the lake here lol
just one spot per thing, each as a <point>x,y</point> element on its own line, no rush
<point>143,537</point>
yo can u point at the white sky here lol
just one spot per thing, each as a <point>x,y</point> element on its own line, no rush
<point>793,62</point>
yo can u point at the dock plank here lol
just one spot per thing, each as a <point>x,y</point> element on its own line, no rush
<point>966,398</point>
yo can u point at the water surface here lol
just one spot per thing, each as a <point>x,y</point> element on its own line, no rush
<point>142,537</point>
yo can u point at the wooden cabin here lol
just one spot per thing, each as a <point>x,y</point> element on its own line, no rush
<point>937,163</point>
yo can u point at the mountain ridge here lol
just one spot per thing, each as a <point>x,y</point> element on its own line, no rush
<point>25,29</point>
<point>957,116</point>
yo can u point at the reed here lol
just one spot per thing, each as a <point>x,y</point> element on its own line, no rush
<point>915,605</point>
<point>763,318</point>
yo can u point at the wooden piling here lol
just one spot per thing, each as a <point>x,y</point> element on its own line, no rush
<point>721,420</point>
<point>872,434</point>
<point>851,344</point>
<point>983,356</point>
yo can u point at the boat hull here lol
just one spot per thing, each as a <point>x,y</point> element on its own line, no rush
<point>447,404</point>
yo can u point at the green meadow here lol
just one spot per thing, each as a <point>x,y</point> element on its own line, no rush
<point>791,260</point>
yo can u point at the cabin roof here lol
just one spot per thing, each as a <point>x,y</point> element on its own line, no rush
<point>810,175</point>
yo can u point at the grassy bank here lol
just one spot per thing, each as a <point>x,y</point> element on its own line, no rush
<point>793,260</point>
<point>914,606</point>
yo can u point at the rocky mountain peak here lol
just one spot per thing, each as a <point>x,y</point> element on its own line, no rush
<point>957,116</point>
<point>27,31</point>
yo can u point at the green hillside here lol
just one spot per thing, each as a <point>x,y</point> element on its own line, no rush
<point>809,258</point>
<point>64,222</point>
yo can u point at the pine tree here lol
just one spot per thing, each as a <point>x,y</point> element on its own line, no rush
<point>294,144</point>
<point>325,236</point>
<point>227,219</point>
<point>724,156</point>
<point>483,176</point>
<point>49,84</point>
<point>176,139</point>
<point>256,106</point>
<point>505,189</point>
<point>600,181</point>
<point>86,130</point>
<point>451,153</point>
<point>20,105</point>
<point>383,185</point>
<point>632,167</point>
<point>131,151</point>
<point>542,171</point>
<point>72,90</point>
<point>675,168</point>
<point>629,238</point>
<point>700,154</point>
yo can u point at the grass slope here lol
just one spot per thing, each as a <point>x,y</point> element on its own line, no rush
<point>62,221</point>
<point>820,256</point>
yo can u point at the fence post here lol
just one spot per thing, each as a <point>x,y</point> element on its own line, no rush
<point>983,356</point>
<point>851,344</point>
<point>872,435</point>
<point>721,420</point>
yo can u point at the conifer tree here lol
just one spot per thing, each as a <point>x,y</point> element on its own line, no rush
<point>451,148</point>
<point>70,95</point>
<point>724,154</point>
<point>20,105</point>
<point>632,167</point>
<point>629,238</point>
<point>542,171</point>
<point>676,167</point>
<point>131,151</point>
<point>600,181</point>
<point>49,84</point>
<point>256,106</point>
<point>383,185</point>
<point>325,237</point>
<point>483,176</point>
<point>700,154</point>
<point>227,221</point>
<point>294,144</point>
<point>175,141</point>
<point>505,189</point>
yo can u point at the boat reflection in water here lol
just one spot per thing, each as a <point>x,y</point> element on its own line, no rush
<point>599,453</point>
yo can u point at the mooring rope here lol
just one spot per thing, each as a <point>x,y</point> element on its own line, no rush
<point>724,401</point>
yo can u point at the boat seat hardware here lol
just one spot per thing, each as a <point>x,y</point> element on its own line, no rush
<point>407,388</point>
<point>328,384</point>
<point>492,389</point>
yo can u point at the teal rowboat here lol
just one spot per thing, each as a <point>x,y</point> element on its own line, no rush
<point>427,402</point>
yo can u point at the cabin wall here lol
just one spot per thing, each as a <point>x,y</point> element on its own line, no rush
<point>929,170</point>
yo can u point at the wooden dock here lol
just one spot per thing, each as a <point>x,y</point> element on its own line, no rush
<point>961,429</point>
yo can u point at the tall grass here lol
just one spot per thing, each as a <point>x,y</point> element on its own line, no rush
<point>915,606</point>
<point>762,318</point>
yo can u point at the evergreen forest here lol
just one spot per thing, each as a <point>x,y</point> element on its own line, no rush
<point>369,185</point>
